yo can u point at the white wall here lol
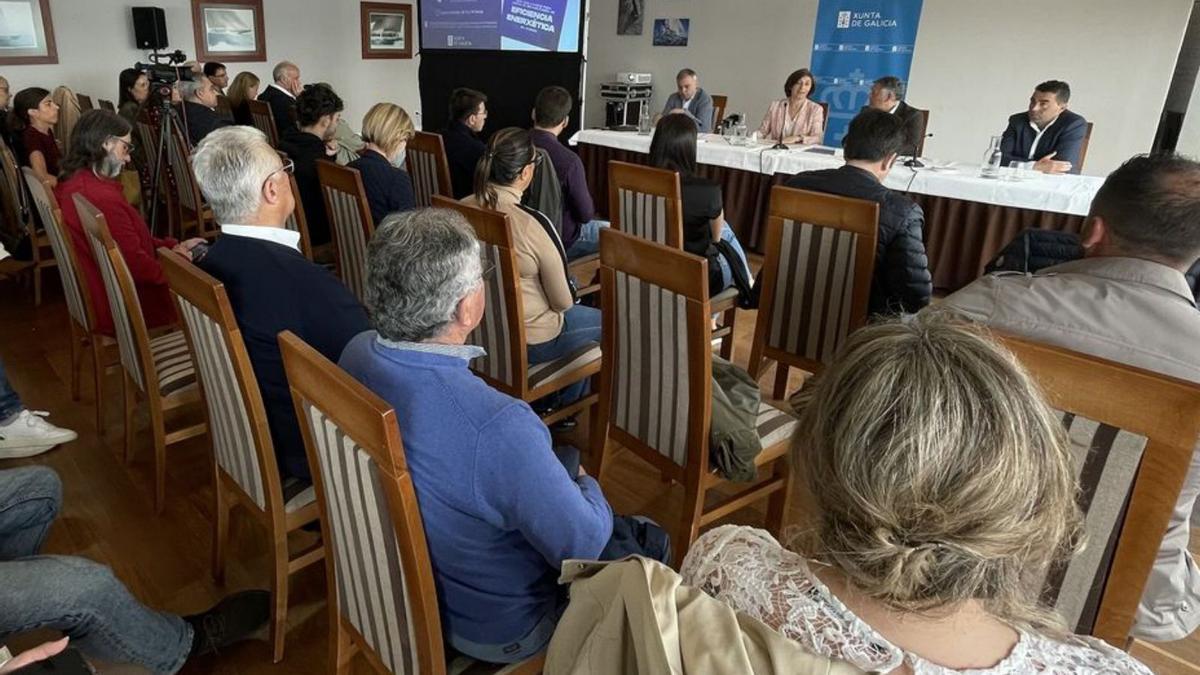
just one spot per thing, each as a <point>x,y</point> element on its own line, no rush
<point>976,62</point>
<point>95,42</point>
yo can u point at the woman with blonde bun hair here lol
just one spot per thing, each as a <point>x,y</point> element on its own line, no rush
<point>386,131</point>
<point>941,490</point>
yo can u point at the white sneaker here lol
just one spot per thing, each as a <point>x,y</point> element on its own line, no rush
<point>29,434</point>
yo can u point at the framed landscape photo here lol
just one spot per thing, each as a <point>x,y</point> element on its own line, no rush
<point>386,30</point>
<point>26,33</point>
<point>229,30</point>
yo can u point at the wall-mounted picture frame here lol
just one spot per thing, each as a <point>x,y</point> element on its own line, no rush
<point>229,30</point>
<point>386,30</point>
<point>26,33</point>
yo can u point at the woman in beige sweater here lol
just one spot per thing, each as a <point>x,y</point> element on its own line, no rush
<point>555,327</point>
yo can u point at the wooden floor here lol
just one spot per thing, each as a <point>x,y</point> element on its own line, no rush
<point>108,514</point>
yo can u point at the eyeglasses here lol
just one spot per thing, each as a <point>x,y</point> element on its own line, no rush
<point>287,167</point>
<point>486,264</point>
<point>128,146</point>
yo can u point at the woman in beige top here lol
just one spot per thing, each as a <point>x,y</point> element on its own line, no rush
<point>555,327</point>
<point>796,118</point>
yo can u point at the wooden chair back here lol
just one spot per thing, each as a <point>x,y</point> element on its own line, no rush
<point>501,332</point>
<point>816,277</point>
<point>719,102</point>
<point>107,105</point>
<point>224,109</point>
<point>924,130</point>
<point>349,220</point>
<point>241,439</point>
<point>85,102</point>
<point>425,159</point>
<point>1133,434</point>
<point>380,580</point>
<point>1087,140</point>
<point>825,114</point>
<point>188,190</point>
<point>264,120</point>
<point>79,299</point>
<point>646,202</point>
<point>18,217</point>
<point>297,221</point>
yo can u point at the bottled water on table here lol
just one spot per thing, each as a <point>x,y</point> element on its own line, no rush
<point>992,159</point>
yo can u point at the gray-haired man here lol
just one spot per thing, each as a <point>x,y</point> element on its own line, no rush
<point>199,108</point>
<point>500,512</point>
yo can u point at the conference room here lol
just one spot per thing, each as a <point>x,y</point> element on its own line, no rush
<point>638,336</point>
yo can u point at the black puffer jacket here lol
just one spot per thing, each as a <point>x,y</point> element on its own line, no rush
<point>901,280</point>
<point>1033,250</point>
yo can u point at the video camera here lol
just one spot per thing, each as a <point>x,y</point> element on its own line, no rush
<point>163,73</point>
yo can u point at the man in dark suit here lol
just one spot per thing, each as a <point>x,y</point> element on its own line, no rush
<point>468,114</point>
<point>1048,137</point>
<point>901,281</point>
<point>281,95</point>
<point>199,107</point>
<point>271,286</point>
<point>887,94</point>
<point>311,140</point>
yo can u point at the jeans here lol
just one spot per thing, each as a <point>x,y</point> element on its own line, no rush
<point>581,325</point>
<point>727,274</point>
<point>10,403</point>
<point>588,241</point>
<point>74,595</point>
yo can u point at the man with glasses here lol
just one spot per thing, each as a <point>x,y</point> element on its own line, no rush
<point>468,114</point>
<point>271,285</point>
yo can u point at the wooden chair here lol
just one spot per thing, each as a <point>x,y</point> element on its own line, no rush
<point>816,279</point>
<point>193,213</point>
<point>296,221</point>
<point>1133,433</point>
<point>245,471</point>
<point>85,102</point>
<point>224,109</point>
<point>425,159</point>
<point>106,104</point>
<point>159,369</point>
<point>79,298</point>
<point>656,383</point>
<point>17,198</point>
<point>924,130</point>
<point>502,331</point>
<point>264,120</point>
<point>163,191</point>
<point>1087,140</point>
<point>647,202</point>
<point>350,222</point>
<point>825,109</point>
<point>382,599</point>
<point>719,102</point>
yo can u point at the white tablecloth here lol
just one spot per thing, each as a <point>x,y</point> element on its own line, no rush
<point>1041,192</point>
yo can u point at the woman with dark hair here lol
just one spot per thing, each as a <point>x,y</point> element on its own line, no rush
<point>795,118</point>
<point>101,148</point>
<point>674,149</point>
<point>133,89</point>
<point>34,115</point>
<point>554,325</point>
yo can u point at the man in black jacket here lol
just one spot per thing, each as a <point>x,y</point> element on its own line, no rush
<point>311,140</point>
<point>1047,137</point>
<point>468,114</point>
<point>281,95</point>
<point>901,281</point>
<point>199,107</point>
<point>271,286</point>
<point>887,94</point>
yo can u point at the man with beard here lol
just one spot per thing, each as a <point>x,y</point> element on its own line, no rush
<point>1048,137</point>
<point>318,110</point>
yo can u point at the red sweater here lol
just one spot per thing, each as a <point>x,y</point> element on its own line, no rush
<point>134,241</point>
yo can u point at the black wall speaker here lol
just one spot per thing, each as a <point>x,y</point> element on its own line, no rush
<point>149,27</point>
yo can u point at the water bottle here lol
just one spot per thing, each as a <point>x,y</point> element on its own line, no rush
<point>992,159</point>
<point>644,118</point>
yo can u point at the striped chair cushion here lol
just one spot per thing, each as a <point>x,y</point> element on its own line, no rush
<point>351,236</point>
<point>62,254</point>
<point>552,370</point>
<point>810,316</point>
<point>1106,461</point>
<point>122,325</point>
<point>643,215</point>
<point>302,499</point>
<point>424,169</point>
<point>774,424</point>
<point>651,367</point>
<point>494,332</point>
<point>172,362</point>
<point>229,421</point>
<point>371,584</point>
<point>264,123</point>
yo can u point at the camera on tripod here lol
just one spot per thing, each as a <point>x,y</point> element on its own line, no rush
<point>163,73</point>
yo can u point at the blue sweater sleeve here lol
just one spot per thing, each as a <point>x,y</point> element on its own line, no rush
<point>520,485</point>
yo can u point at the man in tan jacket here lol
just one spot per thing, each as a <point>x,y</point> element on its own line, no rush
<point>1126,301</point>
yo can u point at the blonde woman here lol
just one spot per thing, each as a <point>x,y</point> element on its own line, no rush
<point>386,130</point>
<point>243,90</point>
<point>942,491</point>
<point>796,118</point>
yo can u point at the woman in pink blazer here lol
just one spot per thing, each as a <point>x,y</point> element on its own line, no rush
<point>796,118</point>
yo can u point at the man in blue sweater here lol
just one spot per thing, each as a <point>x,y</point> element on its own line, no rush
<point>500,512</point>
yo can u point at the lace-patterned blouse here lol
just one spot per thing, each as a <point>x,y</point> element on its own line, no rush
<point>746,568</point>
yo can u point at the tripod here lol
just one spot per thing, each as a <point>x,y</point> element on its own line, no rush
<point>167,123</point>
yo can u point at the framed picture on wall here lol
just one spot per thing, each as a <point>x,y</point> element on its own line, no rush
<point>229,30</point>
<point>26,33</point>
<point>386,30</point>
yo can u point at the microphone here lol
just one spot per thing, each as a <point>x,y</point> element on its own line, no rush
<point>912,161</point>
<point>780,145</point>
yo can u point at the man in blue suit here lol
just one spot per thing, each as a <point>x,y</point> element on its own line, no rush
<point>271,285</point>
<point>1048,137</point>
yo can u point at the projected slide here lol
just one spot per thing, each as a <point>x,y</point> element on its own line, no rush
<point>507,25</point>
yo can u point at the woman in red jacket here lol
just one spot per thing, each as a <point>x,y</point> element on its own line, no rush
<point>100,149</point>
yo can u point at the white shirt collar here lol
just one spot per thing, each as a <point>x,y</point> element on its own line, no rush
<point>894,108</point>
<point>1038,138</point>
<point>277,235</point>
<point>290,94</point>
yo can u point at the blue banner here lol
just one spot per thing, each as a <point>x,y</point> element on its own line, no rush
<point>855,43</point>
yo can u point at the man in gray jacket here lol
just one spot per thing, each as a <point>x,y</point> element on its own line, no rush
<point>1126,300</point>
<point>689,99</point>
